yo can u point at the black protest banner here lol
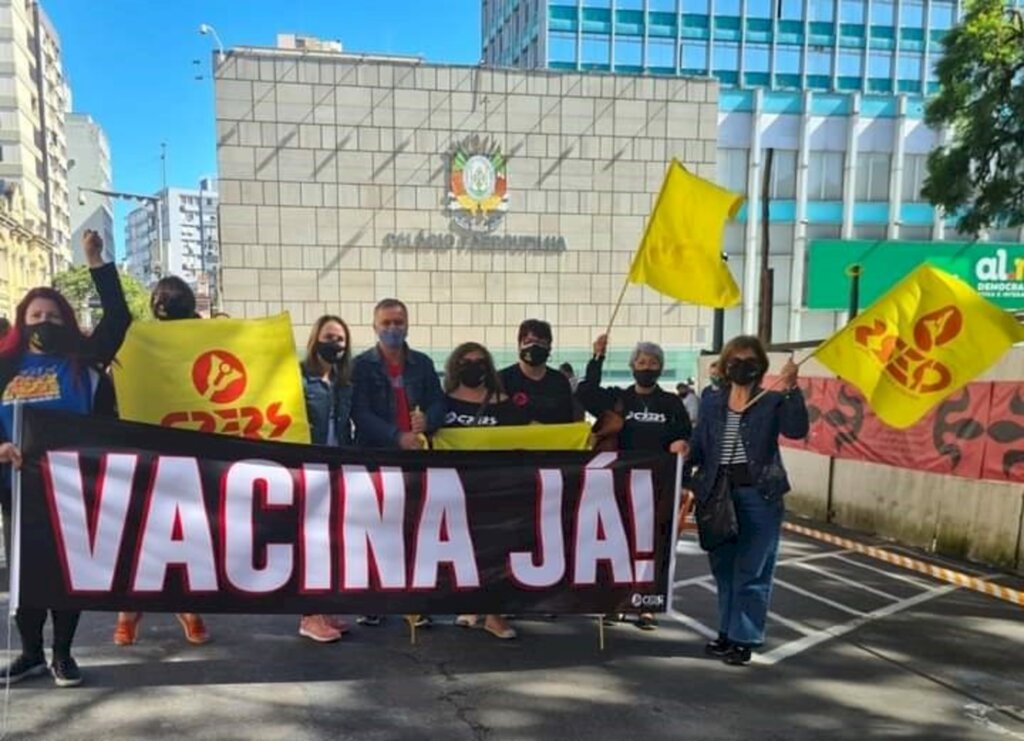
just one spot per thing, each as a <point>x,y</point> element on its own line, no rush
<point>123,516</point>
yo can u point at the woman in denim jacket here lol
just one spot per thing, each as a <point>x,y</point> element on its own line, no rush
<point>742,442</point>
<point>325,381</point>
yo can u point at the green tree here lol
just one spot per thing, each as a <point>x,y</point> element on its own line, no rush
<point>979,175</point>
<point>76,285</point>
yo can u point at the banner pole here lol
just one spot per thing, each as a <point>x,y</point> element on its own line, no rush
<point>674,537</point>
<point>15,544</point>
<point>600,632</point>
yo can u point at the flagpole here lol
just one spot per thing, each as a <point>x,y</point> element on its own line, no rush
<point>777,381</point>
<point>618,305</point>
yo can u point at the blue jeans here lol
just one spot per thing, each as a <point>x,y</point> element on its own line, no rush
<point>743,570</point>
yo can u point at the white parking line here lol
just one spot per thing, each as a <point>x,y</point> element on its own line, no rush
<point>694,625</point>
<point>818,598</point>
<point>788,650</point>
<point>793,625</point>
<point>795,559</point>
<point>919,583</point>
<point>846,580</point>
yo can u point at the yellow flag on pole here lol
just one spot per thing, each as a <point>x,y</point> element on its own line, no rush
<point>232,376</point>
<point>681,252</point>
<point>920,342</point>
<point>574,436</point>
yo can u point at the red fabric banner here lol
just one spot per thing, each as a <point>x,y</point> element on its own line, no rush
<point>977,433</point>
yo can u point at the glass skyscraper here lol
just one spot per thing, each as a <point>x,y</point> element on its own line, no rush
<point>836,88</point>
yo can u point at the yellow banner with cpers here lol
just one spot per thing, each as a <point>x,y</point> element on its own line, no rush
<point>575,436</point>
<point>231,376</point>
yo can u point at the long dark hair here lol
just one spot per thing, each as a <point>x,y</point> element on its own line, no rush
<point>172,291</point>
<point>317,364</point>
<point>451,369</point>
<point>15,342</point>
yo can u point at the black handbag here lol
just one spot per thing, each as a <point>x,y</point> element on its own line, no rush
<point>716,515</point>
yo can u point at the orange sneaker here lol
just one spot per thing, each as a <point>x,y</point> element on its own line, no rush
<point>337,623</point>
<point>318,628</point>
<point>195,628</point>
<point>126,631</point>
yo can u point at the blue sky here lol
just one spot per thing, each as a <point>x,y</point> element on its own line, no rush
<point>130,63</point>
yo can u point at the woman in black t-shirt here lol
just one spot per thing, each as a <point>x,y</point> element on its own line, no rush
<point>653,419</point>
<point>475,399</point>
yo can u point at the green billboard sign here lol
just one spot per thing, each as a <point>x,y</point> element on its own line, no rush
<point>993,269</point>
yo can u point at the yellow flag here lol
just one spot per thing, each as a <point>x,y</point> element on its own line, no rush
<point>232,376</point>
<point>681,252</point>
<point>573,436</point>
<point>920,342</point>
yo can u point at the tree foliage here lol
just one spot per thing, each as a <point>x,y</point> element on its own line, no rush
<point>76,285</point>
<point>978,176</point>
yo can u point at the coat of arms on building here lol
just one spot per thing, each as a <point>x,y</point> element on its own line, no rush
<point>477,185</point>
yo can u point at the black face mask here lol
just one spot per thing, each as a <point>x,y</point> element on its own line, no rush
<point>175,307</point>
<point>535,355</point>
<point>50,338</point>
<point>330,352</point>
<point>646,378</point>
<point>743,371</point>
<point>472,373</point>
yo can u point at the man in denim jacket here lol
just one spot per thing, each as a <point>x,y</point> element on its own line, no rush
<point>397,395</point>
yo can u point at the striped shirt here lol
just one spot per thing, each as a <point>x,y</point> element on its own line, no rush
<point>732,444</point>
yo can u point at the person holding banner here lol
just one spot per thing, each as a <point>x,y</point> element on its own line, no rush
<point>396,397</point>
<point>541,391</point>
<point>171,299</point>
<point>476,399</point>
<point>651,418</point>
<point>325,382</point>
<point>46,360</point>
<point>736,446</point>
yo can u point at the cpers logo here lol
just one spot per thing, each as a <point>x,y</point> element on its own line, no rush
<point>220,379</point>
<point>910,365</point>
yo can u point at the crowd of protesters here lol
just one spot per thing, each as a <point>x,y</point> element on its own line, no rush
<point>391,396</point>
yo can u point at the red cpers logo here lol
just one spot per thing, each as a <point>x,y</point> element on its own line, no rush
<point>910,366</point>
<point>219,376</point>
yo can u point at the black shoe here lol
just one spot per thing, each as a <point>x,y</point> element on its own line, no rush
<point>370,621</point>
<point>737,656</point>
<point>23,667</point>
<point>65,672</point>
<point>718,647</point>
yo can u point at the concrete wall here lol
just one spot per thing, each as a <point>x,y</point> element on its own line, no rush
<point>965,518</point>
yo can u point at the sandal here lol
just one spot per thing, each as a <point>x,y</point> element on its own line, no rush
<point>506,633</point>
<point>466,621</point>
<point>126,631</point>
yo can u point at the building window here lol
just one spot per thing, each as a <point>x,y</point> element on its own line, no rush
<point>726,7</point>
<point>597,3</point>
<point>909,66</point>
<point>628,52</point>
<point>873,176</point>
<point>823,12</point>
<point>661,54</point>
<point>596,49</point>
<point>760,8</point>
<point>727,57</point>
<point>791,10</point>
<point>825,176</point>
<point>629,4</point>
<point>819,62</point>
<point>882,13</point>
<point>933,68</point>
<point>732,169</point>
<point>783,185</point>
<point>756,58</point>
<point>662,6</point>
<point>852,11</point>
<point>695,55</point>
<point>915,169</point>
<point>912,14</point>
<point>943,14</point>
<point>880,64</point>
<point>787,61</point>
<point>851,63</point>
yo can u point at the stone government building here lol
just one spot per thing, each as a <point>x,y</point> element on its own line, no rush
<point>337,190</point>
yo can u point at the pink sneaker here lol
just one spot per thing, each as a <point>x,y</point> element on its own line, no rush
<point>337,623</point>
<point>317,628</point>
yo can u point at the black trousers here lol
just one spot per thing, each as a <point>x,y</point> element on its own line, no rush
<point>30,620</point>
